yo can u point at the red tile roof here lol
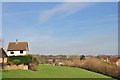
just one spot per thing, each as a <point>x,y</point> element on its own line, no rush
<point>16,46</point>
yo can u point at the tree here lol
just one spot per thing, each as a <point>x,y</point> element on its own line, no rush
<point>82,57</point>
<point>34,64</point>
<point>54,60</point>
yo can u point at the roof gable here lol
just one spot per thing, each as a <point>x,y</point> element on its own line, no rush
<point>13,46</point>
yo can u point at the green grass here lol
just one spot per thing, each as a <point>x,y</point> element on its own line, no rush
<point>49,71</point>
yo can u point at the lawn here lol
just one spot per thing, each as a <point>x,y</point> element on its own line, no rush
<point>50,71</point>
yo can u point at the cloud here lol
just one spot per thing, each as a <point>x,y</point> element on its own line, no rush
<point>102,44</point>
<point>64,9</point>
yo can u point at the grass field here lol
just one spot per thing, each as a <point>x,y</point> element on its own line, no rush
<point>49,71</point>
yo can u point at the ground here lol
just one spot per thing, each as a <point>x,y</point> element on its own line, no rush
<point>50,71</point>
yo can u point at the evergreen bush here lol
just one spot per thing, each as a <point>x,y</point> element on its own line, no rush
<point>20,59</point>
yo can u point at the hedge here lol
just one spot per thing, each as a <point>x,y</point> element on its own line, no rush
<point>20,59</point>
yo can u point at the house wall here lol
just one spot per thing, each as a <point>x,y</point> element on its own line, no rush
<point>5,60</point>
<point>17,53</point>
<point>1,60</point>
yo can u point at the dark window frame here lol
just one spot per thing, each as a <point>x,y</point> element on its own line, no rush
<point>11,52</point>
<point>21,51</point>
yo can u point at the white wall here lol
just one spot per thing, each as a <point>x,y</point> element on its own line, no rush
<point>17,53</point>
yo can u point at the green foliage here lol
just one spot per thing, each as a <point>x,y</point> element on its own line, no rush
<point>29,60</point>
<point>16,61</point>
<point>20,59</point>
<point>82,57</point>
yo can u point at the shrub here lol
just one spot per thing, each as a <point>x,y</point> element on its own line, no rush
<point>3,64</point>
<point>29,60</point>
<point>16,61</point>
<point>9,63</point>
<point>20,59</point>
<point>96,65</point>
<point>35,61</point>
<point>118,72</point>
<point>82,57</point>
<point>33,65</point>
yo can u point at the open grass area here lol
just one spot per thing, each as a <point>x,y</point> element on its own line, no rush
<point>50,71</point>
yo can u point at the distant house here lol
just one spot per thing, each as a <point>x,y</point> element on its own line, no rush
<point>3,56</point>
<point>17,48</point>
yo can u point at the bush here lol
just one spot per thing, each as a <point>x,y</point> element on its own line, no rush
<point>29,60</point>
<point>34,64</point>
<point>16,61</point>
<point>32,67</point>
<point>35,61</point>
<point>96,65</point>
<point>20,59</point>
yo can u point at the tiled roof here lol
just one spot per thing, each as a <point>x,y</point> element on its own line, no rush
<point>15,46</point>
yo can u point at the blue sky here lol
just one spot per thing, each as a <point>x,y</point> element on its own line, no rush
<point>0,21</point>
<point>62,28</point>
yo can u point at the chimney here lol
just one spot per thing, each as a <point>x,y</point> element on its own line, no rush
<point>16,41</point>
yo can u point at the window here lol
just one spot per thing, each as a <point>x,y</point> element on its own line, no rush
<point>21,51</point>
<point>12,52</point>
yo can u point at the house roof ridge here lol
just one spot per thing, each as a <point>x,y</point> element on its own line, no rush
<point>18,46</point>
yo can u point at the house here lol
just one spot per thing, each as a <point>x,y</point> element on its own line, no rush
<point>3,56</point>
<point>17,48</point>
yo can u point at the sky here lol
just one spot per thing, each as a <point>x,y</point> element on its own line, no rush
<point>60,0</point>
<point>0,24</point>
<point>68,28</point>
